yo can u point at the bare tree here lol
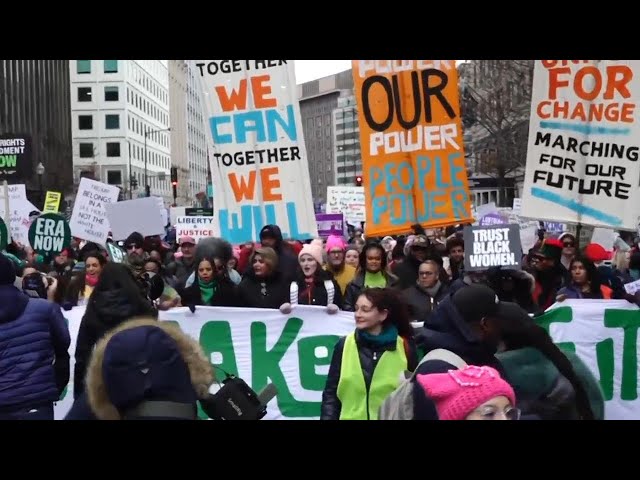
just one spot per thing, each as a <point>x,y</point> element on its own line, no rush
<point>495,106</point>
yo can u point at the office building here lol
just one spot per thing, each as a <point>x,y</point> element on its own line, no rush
<point>198,162</point>
<point>34,104</point>
<point>120,124</point>
<point>318,100</point>
<point>348,161</point>
<point>178,71</point>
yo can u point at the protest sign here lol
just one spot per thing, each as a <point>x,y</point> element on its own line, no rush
<point>4,235</point>
<point>142,215</point>
<point>52,202</point>
<point>260,346</point>
<point>17,219</point>
<point>492,246</point>
<point>517,205</point>
<point>49,234</point>
<point>414,168</point>
<point>15,157</point>
<point>555,227</point>
<point>605,237</point>
<point>330,224</point>
<point>259,160</point>
<point>89,218</point>
<point>493,219</point>
<point>349,201</point>
<point>582,158</point>
<point>604,334</point>
<point>116,254</point>
<point>196,227</point>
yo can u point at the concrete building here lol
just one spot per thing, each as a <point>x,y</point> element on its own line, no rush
<point>198,163</point>
<point>117,108</point>
<point>318,100</point>
<point>348,160</point>
<point>34,103</point>
<point>178,71</point>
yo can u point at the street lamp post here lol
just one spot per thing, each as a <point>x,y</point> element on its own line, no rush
<point>147,188</point>
<point>40,173</point>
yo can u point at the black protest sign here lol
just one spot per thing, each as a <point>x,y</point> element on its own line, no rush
<point>492,246</point>
<point>15,157</point>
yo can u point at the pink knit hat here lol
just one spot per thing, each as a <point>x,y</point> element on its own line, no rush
<point>457,393</point>
<point>335,242</point>
<point>314,250</point>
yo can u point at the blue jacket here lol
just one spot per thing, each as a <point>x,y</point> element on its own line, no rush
<point>34,350</point>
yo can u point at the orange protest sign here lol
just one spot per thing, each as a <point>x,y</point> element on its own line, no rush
<point>411,141</point>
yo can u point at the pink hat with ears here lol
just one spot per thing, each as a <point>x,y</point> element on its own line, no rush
<point>457,393</point>
<point>335,242</point>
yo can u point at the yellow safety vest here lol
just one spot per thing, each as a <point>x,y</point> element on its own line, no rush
<point>357,402</point>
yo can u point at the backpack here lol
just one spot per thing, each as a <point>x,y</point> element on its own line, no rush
<point>399,405</point>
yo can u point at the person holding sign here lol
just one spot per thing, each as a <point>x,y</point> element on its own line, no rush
<point>367,365</point>
<point>313,286</point>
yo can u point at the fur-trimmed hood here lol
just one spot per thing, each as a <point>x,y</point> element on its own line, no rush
<point>200,370</point>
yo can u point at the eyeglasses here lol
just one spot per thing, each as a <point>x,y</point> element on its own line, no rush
<point>336,253</point>
<point>492,413</point>
<point>131,247</point>
<point>568,244</point>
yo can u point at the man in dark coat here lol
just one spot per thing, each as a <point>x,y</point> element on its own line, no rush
<point>34,352</point>
<point>464,323</point>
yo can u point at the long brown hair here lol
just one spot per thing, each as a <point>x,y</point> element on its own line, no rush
<point>398,314</point>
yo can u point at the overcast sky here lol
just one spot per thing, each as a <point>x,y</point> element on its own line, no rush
<point>307,70</point>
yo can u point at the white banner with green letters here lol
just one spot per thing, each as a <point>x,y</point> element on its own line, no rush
<point>260,346</point>
<point>604,334</point>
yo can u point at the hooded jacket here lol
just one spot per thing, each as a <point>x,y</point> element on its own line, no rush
<point>34,345</point>
<point>250,291</point>
<point>356,286</point>
<point>447,329</point>
<point>317,294</point>
<point>115,382</point>
<point>420,303</point>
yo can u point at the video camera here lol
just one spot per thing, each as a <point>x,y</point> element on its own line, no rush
<point>238,401</point>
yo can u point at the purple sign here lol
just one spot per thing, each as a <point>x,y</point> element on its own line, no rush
<point>492,219</point>
<point>330,224</point>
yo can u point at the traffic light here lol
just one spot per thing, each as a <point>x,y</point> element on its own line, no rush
<point>174,182</point>
<point>359,181</point>
<point>174,176</point>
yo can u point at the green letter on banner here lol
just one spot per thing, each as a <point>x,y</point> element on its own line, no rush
<point>558,315</point>
<point>266,365</point>
<point>629,321</point>
<point>309,360</point>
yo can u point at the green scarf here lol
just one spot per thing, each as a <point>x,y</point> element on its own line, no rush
<point>207,290</point>
<point>375,280</point>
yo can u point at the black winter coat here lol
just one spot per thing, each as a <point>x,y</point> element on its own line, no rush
<point>225,296</point>
<point>356,286</point>
<point>369,357</point>
<point>318,295</point>
<point>448,330</point>
<point>420,303</point>
<point>250,291</point>
<point>105,311</point>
